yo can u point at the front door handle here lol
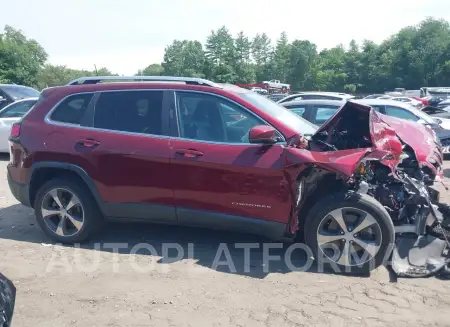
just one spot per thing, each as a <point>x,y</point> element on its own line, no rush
<point>88,143</point>
<point>189,153</point>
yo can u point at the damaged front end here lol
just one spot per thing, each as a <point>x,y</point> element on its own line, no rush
<point>422,227</point>
<point>396,172</point>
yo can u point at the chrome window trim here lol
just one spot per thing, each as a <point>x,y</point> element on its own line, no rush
<point>235,103</point>
<point>56,123</point>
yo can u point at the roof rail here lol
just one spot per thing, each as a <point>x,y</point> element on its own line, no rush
<point>187,80</point>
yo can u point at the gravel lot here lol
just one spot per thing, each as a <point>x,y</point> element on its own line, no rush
<point>93,286</point>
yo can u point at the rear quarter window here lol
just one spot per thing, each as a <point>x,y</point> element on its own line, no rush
<point>72,109</point>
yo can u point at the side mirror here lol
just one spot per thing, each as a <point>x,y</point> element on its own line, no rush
<point>7,301</point>
<point>437,120</point>
<point>263,134</point>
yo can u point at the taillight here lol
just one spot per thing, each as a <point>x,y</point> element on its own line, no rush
<point>15,130</point>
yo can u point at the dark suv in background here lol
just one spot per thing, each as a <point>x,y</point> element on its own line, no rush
<point>189,151</point>
<point>10,93</point>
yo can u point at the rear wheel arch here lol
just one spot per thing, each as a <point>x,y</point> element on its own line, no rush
<point>42,172</point>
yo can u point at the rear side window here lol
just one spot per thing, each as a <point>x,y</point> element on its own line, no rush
<point>298,110</point>
<point>72,109</point>
<point>130,111</point>
<point>323,113</point>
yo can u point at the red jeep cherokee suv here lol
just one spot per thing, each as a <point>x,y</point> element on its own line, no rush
<point>193,152</point>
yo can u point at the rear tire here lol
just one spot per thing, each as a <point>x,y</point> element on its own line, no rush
<point>362,243</point>
<point>66,211</point>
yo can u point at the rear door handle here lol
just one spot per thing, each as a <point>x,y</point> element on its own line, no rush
<point>189,153</point>
<point>88,143</point>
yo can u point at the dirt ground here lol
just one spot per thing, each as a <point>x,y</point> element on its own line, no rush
<point>94,286</point>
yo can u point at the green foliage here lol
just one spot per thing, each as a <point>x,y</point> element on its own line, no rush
<point>151,70</point>
<point>50,75</point>
<point>20,58</point>
<point>416,56</point>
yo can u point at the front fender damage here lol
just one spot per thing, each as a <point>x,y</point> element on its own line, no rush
<point>381,161</point>
<point>422,225</point>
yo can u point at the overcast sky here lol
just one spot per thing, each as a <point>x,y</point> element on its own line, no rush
<point>127,35</point>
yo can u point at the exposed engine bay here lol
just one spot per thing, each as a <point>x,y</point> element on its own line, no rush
<point>390,172</point>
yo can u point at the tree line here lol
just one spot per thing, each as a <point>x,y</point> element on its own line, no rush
<point>414,57</point>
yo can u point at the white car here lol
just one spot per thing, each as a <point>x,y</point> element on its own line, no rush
<point>404,111</point>
<point>258,90</point>
<point>9,115</point>
<point>416,103</point>
<point>317,96</point>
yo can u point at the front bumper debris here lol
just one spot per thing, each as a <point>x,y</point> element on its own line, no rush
<point>424,255</point>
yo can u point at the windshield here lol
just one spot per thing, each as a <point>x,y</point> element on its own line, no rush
<point>20,92</point>
<point>280,113</point>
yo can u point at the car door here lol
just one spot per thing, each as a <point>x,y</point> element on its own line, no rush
<point>124,148</point>
<point>219,177</point>
<point>10,115</point>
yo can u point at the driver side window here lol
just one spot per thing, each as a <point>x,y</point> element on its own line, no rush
<point>207,117</point>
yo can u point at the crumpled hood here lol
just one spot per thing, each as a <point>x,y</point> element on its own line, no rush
<point>386,135</point>
<point>420,138</point>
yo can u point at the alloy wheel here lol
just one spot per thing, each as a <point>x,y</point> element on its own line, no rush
<point>62,212</point>
<point>349,236</point>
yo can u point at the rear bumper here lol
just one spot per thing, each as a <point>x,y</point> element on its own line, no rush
<point>20,191</point>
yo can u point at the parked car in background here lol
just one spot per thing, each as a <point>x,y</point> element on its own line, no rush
<point>10,93</point>
<point>314,111</point>
<point>416,103</point>
<point>276,96</point>
<point>10,115</point>
<point>378,96</point>
<point>437,112</point>
<point>404,111</point>
<point>317,96</point>
<point>434,101</point>
<point>259,90</point>
<point>423,100</point>
<point>276,84</point>
<point>319,111</point>
<point>258,174</point>
<point>441,126</point>
<point>444,103</point>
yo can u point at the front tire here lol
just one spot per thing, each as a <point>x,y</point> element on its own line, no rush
<point>66,211</point>
<point>349,233</point>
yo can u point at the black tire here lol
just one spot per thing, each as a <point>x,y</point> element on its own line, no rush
<point>350,200</point>
<point>93,219</point>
